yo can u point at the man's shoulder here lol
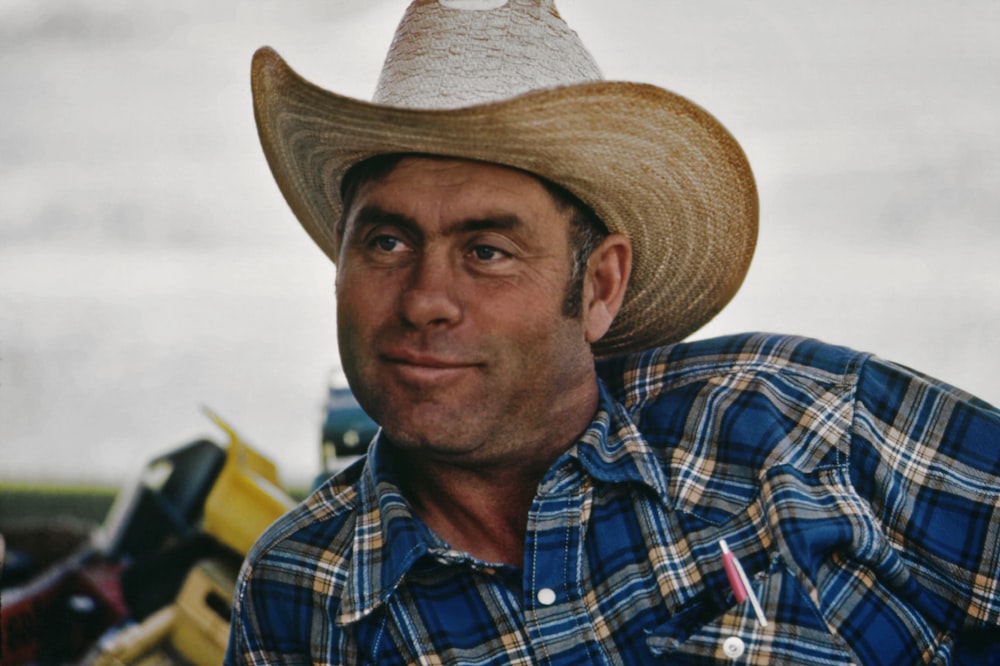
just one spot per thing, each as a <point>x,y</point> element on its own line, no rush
<point>721,413</point>
<point>299,566</point>
<point>638,378</point>
<point>323,522</point>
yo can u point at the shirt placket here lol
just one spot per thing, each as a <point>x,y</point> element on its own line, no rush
<point>558,622</point>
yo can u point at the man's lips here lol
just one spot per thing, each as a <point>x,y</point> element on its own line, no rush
<point>419,366</point>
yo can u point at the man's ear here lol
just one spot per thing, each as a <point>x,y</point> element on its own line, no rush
<point>604,285</point>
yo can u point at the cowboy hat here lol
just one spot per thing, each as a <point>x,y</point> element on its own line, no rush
<point>507,82</point>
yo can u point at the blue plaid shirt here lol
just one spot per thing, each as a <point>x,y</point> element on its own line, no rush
<point>862,499</point>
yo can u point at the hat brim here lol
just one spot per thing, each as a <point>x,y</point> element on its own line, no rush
<point>651,164</point>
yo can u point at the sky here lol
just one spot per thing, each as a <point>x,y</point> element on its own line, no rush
<point>149,266</point>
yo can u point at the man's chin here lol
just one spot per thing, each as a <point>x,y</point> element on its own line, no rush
<point>429,443</point>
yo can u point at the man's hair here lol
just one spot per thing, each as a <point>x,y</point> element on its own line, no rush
<point>586,231</point>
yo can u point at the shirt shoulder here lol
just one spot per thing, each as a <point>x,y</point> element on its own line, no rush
<point>299,566</point>
<point>728,388</point>
<point>638,378</point>
<point>908,462</point>
<point>320,520</point>
<point>722,412</point>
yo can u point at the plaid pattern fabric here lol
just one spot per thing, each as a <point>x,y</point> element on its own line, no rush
<point>862,499</point>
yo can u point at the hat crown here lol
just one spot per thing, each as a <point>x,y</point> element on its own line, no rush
<point>456,53</point>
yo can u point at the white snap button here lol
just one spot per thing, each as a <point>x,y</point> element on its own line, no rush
<point>546,596</point>
<point>733,647</point>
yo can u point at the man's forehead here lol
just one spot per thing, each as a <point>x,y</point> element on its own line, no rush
<point>459,187</point>
<point>451,170</point>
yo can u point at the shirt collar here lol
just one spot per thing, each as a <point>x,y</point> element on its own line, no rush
<point>613,450</point>
<point>389,539</point>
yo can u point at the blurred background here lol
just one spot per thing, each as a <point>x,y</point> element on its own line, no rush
<point>149,266</point>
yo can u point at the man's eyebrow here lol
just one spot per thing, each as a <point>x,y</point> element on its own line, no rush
<point>504,221</point>
<point>369,215</point>
<point>372,215</point>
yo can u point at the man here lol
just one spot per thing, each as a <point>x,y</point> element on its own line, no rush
<point>500,218</point>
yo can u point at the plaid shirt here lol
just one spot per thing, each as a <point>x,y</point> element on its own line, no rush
<point>863,501</point>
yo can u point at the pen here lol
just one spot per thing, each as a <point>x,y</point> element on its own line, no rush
<point>739,582</point>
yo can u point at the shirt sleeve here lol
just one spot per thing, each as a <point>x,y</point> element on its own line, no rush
<point>238,652</point>
<point>926,457</point>
<point>260,631</point>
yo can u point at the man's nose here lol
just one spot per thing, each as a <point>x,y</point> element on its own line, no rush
<point>430,297</point>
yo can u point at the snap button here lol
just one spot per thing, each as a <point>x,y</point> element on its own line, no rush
<point>546,596</point>
<point>733,647</point>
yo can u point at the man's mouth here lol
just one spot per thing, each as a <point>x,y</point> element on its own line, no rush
<point>422,367</point>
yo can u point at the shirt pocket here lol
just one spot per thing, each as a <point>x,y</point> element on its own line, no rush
<point>707,634</point>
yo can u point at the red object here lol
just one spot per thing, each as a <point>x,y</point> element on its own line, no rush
<point>729,563</point>
<point>60,614</point>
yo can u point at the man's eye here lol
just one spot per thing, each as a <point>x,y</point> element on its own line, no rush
<point>487,253</point>
<point>387,243</point>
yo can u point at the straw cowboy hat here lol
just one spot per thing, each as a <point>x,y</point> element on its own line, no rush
<point>508,82</point>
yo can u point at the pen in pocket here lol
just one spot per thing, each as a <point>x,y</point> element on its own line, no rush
<point>740,583</point>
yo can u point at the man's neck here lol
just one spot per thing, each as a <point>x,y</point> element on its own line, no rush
<point>481,510</point>
<point>484,517</point>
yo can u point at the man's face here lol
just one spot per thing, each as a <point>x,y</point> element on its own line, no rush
<point>450,285</point>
